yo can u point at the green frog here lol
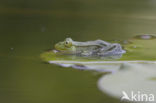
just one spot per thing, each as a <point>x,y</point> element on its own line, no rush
<point>89,48</point>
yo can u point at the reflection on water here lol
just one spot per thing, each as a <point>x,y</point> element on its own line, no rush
<point>31,27</point>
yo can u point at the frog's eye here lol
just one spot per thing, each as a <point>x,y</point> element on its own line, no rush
<point>68,44</point>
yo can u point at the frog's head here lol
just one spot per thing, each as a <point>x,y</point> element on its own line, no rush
<point>65,46</point>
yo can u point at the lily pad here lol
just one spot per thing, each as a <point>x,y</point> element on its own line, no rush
<point>133,71</point>
<point>139,49</point>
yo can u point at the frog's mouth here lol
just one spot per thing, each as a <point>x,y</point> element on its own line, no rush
<point>56,50</point>
<point>61,49</point>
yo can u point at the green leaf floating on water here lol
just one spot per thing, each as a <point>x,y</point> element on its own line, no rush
<point>134,71</point>
<point>139,49</point>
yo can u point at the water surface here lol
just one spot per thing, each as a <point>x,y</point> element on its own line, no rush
<point>28,28</point>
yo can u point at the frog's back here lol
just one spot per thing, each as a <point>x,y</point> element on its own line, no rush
<point>89,49</point>
<point>99,50</point>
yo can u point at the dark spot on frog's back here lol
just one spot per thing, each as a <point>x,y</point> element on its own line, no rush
<point>114,46</point>
<point>145,37</point>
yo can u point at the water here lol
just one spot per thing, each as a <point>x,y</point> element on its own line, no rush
<point>28,28</point>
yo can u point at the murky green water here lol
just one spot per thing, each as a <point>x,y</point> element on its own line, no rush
<point>28,28</point>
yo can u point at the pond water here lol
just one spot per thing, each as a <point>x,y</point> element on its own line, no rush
<point>29,28</point>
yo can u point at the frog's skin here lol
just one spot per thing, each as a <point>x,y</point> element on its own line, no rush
<point>89,48</point>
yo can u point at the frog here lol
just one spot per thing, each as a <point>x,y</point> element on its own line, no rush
<point>89,48</point>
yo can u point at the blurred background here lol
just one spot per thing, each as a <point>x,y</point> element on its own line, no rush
<point>30,27</point>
